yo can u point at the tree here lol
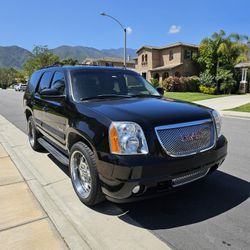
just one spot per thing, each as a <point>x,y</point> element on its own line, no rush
<point>222,52</point>
<point>226,79</point>
<point>42,57</point>
<point>69,61</point>
<point>8,76</point>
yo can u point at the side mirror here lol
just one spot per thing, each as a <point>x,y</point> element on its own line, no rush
<point>51,93</point>
<point>160,90</point>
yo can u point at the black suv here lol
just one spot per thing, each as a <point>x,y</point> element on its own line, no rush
<point>120,137</point>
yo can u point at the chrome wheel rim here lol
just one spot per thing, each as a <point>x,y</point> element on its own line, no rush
<point>31,133</point>
<point>80,174</point>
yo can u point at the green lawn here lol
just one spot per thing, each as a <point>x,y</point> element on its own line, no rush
<point>243,108</point>
<point>190,96</point>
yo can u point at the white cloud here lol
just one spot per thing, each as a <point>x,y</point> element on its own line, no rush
<point>129,30</point>
<point>174,29</point>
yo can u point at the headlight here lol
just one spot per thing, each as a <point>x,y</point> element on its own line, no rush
<point>127,138</point>
<point>217,121</point>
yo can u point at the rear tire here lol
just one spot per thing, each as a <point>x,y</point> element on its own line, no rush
<point>33,134</point>
<point>84,175</point>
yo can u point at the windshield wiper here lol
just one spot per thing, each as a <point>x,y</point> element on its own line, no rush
<point>104,96</point>
<point>146,95</point>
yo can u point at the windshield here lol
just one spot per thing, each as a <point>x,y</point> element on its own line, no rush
<point>94,83</point>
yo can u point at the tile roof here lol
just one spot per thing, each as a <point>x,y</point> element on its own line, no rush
<point>168,46</point>
<point>166,67</point>
<point>243,65</point>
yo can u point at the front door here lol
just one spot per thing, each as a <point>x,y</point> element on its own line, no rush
<point>56,114</point>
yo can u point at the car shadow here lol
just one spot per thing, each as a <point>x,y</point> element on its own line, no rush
<point>197,202</point>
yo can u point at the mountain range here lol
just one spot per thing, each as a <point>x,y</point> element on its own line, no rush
<point>15,57</point>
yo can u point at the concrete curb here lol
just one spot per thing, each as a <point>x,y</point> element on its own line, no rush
<point>236,114</point>
<point>64,227</point>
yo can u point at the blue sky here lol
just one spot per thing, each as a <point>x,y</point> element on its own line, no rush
<point>77,22</point>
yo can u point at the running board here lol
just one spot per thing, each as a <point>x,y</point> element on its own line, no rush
<point>55,152</point>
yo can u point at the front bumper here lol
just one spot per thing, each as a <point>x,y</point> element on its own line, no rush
<point>154,173</point>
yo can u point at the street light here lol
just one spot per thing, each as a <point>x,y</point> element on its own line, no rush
<point>125,36</point>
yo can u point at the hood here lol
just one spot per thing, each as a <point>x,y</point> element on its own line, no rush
<point>154,111</point>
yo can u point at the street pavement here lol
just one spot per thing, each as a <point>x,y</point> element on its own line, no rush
<point>213,213</point>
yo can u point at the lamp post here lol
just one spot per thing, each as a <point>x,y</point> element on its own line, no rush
<point>125,36</point>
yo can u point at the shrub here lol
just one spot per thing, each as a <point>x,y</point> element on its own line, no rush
<point>193,83</point>
<point>207,79</point>
<point>226,80</point>
<point>181,84</point>
<point>154,82</point>
<point>207,90</point>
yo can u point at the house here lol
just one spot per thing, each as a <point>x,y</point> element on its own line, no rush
<point>170,60</point>
<point>109,62</point>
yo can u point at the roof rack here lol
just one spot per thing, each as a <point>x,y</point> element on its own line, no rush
<point>51,66</point>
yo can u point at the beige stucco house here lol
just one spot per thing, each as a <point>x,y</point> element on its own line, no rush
<point>170,60</point>
<point>109,62</point>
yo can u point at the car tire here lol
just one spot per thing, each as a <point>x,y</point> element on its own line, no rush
<point>84,175</point>
<point>33,134</point>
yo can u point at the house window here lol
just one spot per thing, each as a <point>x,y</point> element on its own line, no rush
<point>142,59</point>
<point>187,54</point>
<point>171,55</point>
<point>146,58</point>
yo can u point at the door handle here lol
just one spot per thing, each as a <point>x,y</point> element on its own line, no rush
<point>45,108</point>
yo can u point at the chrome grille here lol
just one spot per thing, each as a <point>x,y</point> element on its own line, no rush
<point>188,138</point>
<point>189,177</point>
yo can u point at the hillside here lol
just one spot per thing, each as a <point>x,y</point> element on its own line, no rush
<point>119,52</point>
<point>13,56</point>
<point>80,52</point>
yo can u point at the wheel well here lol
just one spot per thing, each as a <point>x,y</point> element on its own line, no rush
<point>74,138</point>
<point>27,114</point>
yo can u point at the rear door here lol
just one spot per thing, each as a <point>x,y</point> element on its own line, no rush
<point>40,106</point>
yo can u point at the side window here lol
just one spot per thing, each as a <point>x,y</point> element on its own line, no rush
<point>33,81</point>
<point>45,80</point>
<point>58,82</point>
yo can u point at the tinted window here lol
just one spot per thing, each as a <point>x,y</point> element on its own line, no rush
<point>33,81</point>
<point>93,83</point>
<point>45,81</point>
<point>58,82</point>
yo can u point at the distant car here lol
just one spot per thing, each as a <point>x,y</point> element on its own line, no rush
<point>20,87</point>
<point>23,87</point>
<point>17,87</point>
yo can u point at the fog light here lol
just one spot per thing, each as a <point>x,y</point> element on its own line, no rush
<point>136,189</point>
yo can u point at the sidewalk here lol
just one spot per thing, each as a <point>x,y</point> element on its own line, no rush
<point>81,227</point>
<point>228,102</point>
<point>23,222</point>
<point>223,103</point>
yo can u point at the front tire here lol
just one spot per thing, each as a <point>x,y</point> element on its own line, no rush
<point>33,134</point>
<point>84,176</point>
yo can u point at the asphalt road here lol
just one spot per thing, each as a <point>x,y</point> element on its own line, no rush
<point>213,213</point>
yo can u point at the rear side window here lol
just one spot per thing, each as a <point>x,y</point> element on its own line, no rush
<point>45,80</point>
<point>58,82</point>
<point>33,81</point>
